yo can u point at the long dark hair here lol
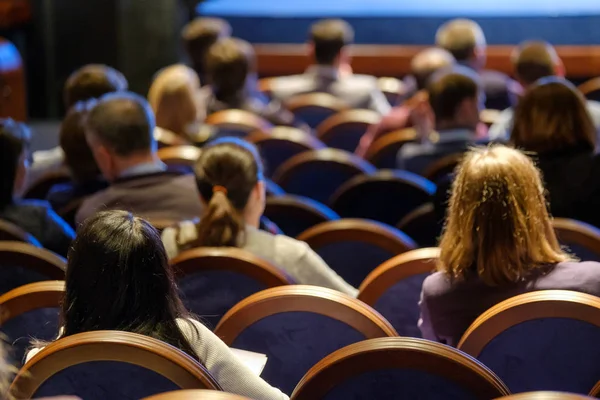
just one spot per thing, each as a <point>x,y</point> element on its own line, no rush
<point>118,278</point>
<point>226,172</point>
<point>14,140</point>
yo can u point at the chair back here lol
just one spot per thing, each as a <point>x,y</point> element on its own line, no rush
<point>386,196</point>
<point>314,108</point>
<point>545,396</point>
<point>22,263</point>
<point>295,214</point>
<point>392,88</point>
<point>237,123</point>
<point>582,239</point>
<point>39,189</point>
<point>273,189</point>
<point>179,155</point>
<point>345,129</point>
<point>422,226</point>
<point>212,280</point>
<point>317,174</point>
<point>281,144</point>
<point>11,232</point>
<point>167,138</point>
<point>355,247</point>
<point>198,394</point>
<point>543,340</point>
<point>30,311</point>
<point>394,288</point>
<point>590,89</point>
<point>383,152</point>
<point>399,368</point>
<point>442,167</point>
<point>296,326</point>
<point>109,364</point>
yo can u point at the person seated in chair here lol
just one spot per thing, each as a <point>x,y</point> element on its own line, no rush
<point>229,175</point>
<point>456,99</point>
<point>87,178</point>
<point>119,130</point>
<point>534,60</point>
<point>231,68</point>
<point>34,216</point>
<point>331,73</point>
<point>498,242</point>
<point>119,278</point>
<point>464,38</point>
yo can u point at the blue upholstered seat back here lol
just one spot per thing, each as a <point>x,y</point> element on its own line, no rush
<point>210,294</point>
<point>346,138</point>
<point>398,384</point>
<point>400,305</point>
<point>583,253</point>
<point>274,154</point>
<point>353,260</point>
<point>546,354</point>
<point>40,324</point>
<point>13,276</point>
<point>313,116</point>
<point>294,342</point>
<point>103,380</point>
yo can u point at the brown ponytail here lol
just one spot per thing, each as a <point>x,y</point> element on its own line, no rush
<point>221,224</point>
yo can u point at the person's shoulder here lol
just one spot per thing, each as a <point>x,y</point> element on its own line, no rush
<point>436,284</point>
<point>359,82</point>
<point>286,248</point>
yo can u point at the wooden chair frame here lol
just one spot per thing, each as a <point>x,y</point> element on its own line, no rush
<point>198,394</point>
<point>239,119</point>
<point>354,118</point>
<point>11,232</point>
<point>528,307</point>
<point>542,395</point>
<point>398,352</point>
<point>316,100</point>
<point>35,258</point>
<point>443,163</point>
<point>127,347</point>
<point>179,155</point>
<point>289,134</point>
<point>318,300</point>
<point>572,231</point>
<point>414,262</point>
<point>589,86</point>
<point>382,143</point>
<point>45,294</point>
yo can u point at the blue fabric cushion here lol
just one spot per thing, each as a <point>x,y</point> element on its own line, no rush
<point>12,276</point>
<point>352,260</point>
<point>294,342</point>
<point>313,116</point>
<point>210,294</point>
<point>583,253</point>
<point>546,354</point>
<point>102,380</point>
<point>400,305</point>
<point>346,138</point>
<point>401,384</point>
<point>40,324</point>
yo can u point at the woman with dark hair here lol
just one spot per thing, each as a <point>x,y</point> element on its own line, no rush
<point>87,178</point>
<point>118,278</point>
<point>230,180</point>
<point>33,216</point>
<point>552,124</point>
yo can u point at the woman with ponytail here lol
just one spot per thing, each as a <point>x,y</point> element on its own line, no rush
<point>230,180</point>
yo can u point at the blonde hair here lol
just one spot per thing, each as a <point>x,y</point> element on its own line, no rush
<point>173,98</point>
<point>6,372</point>
<point>497,224</point>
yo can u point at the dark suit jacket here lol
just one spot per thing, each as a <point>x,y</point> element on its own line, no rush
<point>64,193</point>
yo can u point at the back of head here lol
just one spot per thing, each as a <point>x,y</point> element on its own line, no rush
<point>229,63</point>
<point>227,172</point>
<point>552,117</point>
<point>122,122</point>
<point>173,98</point>
<point>461,37</point>
<point>78,155</point>
<point>118,278</point>
<point>447,90</point>
<point>91,82</point>
<point>533,60</point>
<point>199,35</point>
<point>429,61</point>
<point>497,225</point>
<point>14,145</point>
<point>328,38</point>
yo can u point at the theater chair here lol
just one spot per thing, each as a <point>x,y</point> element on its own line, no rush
<point>383,151</point>
<point>296,326</point>
<point>345,129</point>
<point>422,226</point>
<point>581,239</point>
<point>40,188</point>
<point>237,123</point>
<point>182,156</point>
<point>198,394</point>
<point>295,214</point>
<point>314,108</point>
<point>399,368</point>
<point>545,396</point>
<point>11,232</point>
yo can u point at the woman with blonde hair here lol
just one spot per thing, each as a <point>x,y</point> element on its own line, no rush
<point>498,242</point>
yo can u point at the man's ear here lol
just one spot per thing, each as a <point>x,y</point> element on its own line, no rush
<point>559,69</point>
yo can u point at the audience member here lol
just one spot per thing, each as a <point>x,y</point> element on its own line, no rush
<point>34,216</point>
<point>87,178</point>
<point>464,38</point>
<point>119,131</point>
<point>533,60</point>
<point>455,98</point>
<point>118,278</point>
<point>415,111</point>
<point>198,36</point>
<point>231,68</point>
<point>175,99</point>
<point>88,82</point>
<point>551,122</point>
<point>331,72</point>
<point>498,242</point>
<point>230,180</point>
